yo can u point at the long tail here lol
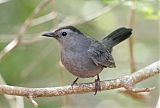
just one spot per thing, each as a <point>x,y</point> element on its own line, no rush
<point>116,37</point>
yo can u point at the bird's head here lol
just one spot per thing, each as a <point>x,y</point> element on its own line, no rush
<point>67,34</point>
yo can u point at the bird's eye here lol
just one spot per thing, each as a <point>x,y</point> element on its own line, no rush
<point>64,33</point>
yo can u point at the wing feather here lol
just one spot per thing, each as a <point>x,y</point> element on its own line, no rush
<point>100,55</point>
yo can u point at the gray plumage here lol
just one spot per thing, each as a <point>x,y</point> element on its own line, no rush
<point>86,57</point>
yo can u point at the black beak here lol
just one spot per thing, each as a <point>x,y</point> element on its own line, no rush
<point>51,34</point>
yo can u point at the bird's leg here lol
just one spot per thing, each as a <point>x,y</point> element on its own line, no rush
<point>75,81</point>
<point>97,85</point>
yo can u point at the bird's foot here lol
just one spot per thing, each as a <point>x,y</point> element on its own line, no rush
<point>97,85</point>
<point>74,82</point>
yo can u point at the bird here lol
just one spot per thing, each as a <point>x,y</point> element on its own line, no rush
<point>84,56</point>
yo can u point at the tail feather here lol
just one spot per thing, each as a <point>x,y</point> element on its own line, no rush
<point>116,37</point>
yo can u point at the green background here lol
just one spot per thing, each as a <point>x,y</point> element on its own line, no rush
<point>37,64</point>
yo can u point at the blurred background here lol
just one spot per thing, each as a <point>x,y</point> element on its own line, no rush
<point>30,60</point>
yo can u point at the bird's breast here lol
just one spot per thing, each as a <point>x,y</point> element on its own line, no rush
<point>79,64</point>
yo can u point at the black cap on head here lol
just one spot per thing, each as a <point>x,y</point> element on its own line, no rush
<point>71,28</point>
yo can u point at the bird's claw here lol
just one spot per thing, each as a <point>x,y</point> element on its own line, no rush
<point>97,85</point>
<point>74,82</point>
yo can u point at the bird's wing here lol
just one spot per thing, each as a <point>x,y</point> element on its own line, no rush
<point>100,55</point>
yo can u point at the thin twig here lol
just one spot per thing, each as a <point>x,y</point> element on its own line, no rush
<point>14,43</point>
<point>66,21</point>
<point>33,101</point>
<point>131,20</point>
<point>43,19</point>
<point>70,20</point>
<point>127,82</point>
<point>14,101</point>
<point>143,96</point>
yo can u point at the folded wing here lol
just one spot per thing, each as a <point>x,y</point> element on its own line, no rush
<point>100,55</point>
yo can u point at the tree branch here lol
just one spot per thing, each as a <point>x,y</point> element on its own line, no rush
<point>127,82</point>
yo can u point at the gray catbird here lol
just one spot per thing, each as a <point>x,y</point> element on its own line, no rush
<point>86,57</point>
